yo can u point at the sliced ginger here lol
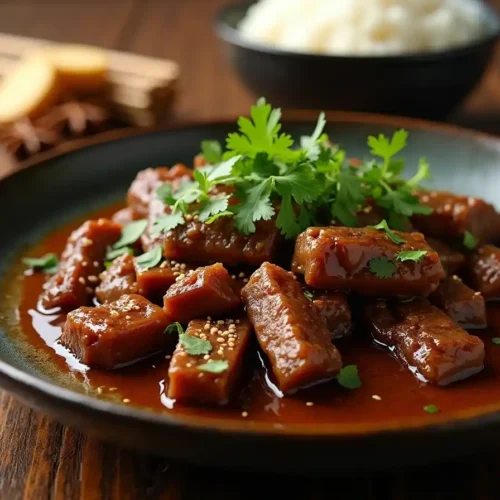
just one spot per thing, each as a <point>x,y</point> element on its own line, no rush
<point>29,89</point>
<point>81,69</point>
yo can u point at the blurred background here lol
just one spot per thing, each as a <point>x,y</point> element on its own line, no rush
<point>195,64</point>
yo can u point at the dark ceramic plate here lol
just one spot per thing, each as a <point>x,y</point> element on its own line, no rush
<point>41,198</point>
<point>427,85</point>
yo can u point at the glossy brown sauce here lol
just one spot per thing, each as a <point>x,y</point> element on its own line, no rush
<point>399,396</point>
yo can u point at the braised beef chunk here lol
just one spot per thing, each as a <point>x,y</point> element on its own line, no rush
<point>290,329</point>
<point>117,333</point>
<point>144,187</point>
<point>454,214</point>
<point>451,260</point>
<point>207,291</point>
<point>426,339</point>
<point>462,304</point>
<point>124,216</point>
<point>220,241</point>
<point>334,308</point>
<point>209,378</point>
<point>154,282</point>
<point>119,279</point>
<point>365,261</point>
<point>81,263</point>
<point>483,271</point>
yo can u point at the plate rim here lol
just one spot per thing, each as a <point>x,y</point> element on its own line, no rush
<point>245,428</point>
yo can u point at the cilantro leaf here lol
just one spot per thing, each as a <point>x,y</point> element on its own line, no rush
<point>174,328</point>
<point>391,235</point>
<point>411,255</point>
<point>214,366</point>
<point>385,149</point>
<point>310,144</point>
<point>348,377</point>
<point>424,172</point>
<point>382,268</point>
<point>213,206</point>
<point>150,259</point>
<point>431,409</point>
<point>308,295</point>
<point>131,233</point>
<point>165,193</point>
<point>496,340</point>
<point>212,151</point>
<point>256,206</point>
<point>222,170</point>
<point>404,203</point>
<point>469,241</point>
<point>301,184</point>
<point>349,198</point>
<point>260,134</point>
<point>287,219</point>
<point>48,264</point>
<point>112,254</point>
<point>167,222</point>
<point>194,346</point>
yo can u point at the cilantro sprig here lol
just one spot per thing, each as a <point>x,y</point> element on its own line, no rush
<point>267,176</point>
<point>48,264</point>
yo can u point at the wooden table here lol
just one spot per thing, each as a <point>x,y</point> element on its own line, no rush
<point>41,459</point>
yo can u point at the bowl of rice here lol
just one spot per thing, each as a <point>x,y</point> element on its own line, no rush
<point>410,57</point>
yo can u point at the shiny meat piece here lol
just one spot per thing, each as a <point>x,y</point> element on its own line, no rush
<point>143,188</point>
<point>117,333</point>
<point>462,304</point>
<point>454,214</point>
<point>435,349</point>
<point>207,291</point>
<point>81,263</point>
<point>154,282</point>
<point>451,260</point>
<point>290,329</point>
<point>190,384</point>
<point>216,242</point>
<point>339,258</point>
<point>334,308</point>
<point>124,216</point>
<point>483,271</point>
<point>119,279</point>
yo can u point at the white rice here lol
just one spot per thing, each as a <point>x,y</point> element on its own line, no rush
<point>364,27</point>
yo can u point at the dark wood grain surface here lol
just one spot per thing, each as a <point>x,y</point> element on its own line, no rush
<point>39,458</point>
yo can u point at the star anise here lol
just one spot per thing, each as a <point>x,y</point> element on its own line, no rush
<point>24,139</point>
<point>75,118</point>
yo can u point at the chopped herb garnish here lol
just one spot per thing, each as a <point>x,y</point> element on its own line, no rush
<point>131,233</point>
<point>348,377</point>
<point>150,259</point>
<point>212,151</point>
<point>296,185</point>
<point>382,267</point>
<point>194,345</point>
<point>431,409</point>
<point>48,263</point>
<point>174,328</point>
<point>496,340</point>
<point>308,295</point>
<point>112,254</point>
<point>413,255</point>
<point>469,241</point>
<point>166,223</point>
<point>391,235</point>
<point>214,366</point>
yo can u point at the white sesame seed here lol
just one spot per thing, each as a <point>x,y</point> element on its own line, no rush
<point>113,389</point>
<point>96,264</point>
<point>213,330</point>
<point>81,280</point>
<point>84,263</point>
<point>93,279</point>
<point>237,321</point>
<point>245,280</point>
<point>244,414</point>
<point>126,400</point>
<point>114,313</point>
<point>206,327</point>
<point>220,340</point>
<point>127,317</point>
<point>189,365</point>
<point>206,356</point>
<point>99,390</point>
<point>309,403</point>
<point>377,397</point>
<point>233,276</point>
<point>241,275</point>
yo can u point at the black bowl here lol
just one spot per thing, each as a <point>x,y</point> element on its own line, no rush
<point>426,85</point>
